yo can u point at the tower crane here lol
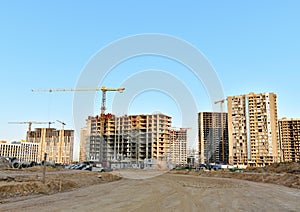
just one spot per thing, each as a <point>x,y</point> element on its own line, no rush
<point>221,102</point>
<point>30,124</point>
<point>62,124</point>
<point>102,110</point>
<point>103,89</point>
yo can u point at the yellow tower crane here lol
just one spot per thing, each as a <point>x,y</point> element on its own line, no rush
<point>62,124</point>
<point>103,108</point>
<point>30,124</point>
<point>103,89</point>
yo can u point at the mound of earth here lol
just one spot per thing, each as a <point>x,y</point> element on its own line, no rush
<point>15,183</point>
<point>293,168</point>
<point>4,163</point>
<point>280,174</point>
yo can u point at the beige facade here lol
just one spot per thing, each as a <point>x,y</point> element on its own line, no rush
<point>253,129</point>
<point>83,143</point>
<point>289,133</point>
<point>178,146</point>
<point>58,144</point>
<point>153,135</point>
<point>24,151</point>
<point>131,138</point>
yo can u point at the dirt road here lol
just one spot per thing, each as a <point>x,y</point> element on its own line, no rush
<point>166,193</point>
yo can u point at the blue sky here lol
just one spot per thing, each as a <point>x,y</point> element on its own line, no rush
<point>253,46</point>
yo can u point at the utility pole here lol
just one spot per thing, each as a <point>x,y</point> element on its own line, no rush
<point>44,168</point>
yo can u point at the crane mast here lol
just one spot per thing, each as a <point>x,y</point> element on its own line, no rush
<point>62,124</point>
<point>103,89</point>
<point>30,125</point>
<point>103,144</point>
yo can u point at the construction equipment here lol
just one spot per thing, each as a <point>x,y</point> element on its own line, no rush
<point>103,89</point>
<point>62,124</point>
<point>221,102</point>
<point>103,144</point>
<point>30,124</point>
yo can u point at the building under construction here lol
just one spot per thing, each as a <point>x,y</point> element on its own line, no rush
<point>289,133</point>
<point>178,146</point>
<point>213,137</point>
<point>134,139</point>
<point>58,144</point>
<point>253,129</point>
<point>83,142</point>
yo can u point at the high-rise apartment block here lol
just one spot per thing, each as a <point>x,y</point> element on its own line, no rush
<point>83,143</point>
<point>289,133</point>
<point>253,129</point>
<point>131,139</point>
<point>213,137</point>
<point>58,144</point>
<point>178,146</point>
<point>107,138</point>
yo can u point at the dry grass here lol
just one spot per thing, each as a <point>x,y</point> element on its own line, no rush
<point>293,168</point>
<point>280,174</point>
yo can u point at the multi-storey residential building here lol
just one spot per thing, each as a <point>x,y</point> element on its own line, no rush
<point>24,151</point>
<point>83,143</point>
<point>58,144</point>
<point>106,138</point>
<point>213,137</point>
<point>289,134</point>
<point>253,129</point>
<point>153,135</point>
<point>178,146</point>
<point>131,138</point>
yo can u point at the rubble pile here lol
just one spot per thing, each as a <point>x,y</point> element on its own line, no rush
<point>4,163</point>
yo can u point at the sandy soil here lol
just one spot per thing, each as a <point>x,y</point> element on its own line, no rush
<point>167,192</point>
<point>24,182</point>
<point>286,179</point>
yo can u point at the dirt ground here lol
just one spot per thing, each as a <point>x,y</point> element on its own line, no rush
<point>24,182</point>
<point>166,192</point>
<point>285,179</point>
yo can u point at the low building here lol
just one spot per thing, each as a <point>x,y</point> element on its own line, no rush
<point>24,151</point>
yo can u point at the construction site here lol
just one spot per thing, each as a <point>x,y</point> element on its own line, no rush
<point>57,144</point>
<point>289,133</point>
<point>134,141</point>
<point>154,155</point>
<point>129,141</point>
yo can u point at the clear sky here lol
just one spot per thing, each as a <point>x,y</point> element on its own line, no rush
<point>253,46</point>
